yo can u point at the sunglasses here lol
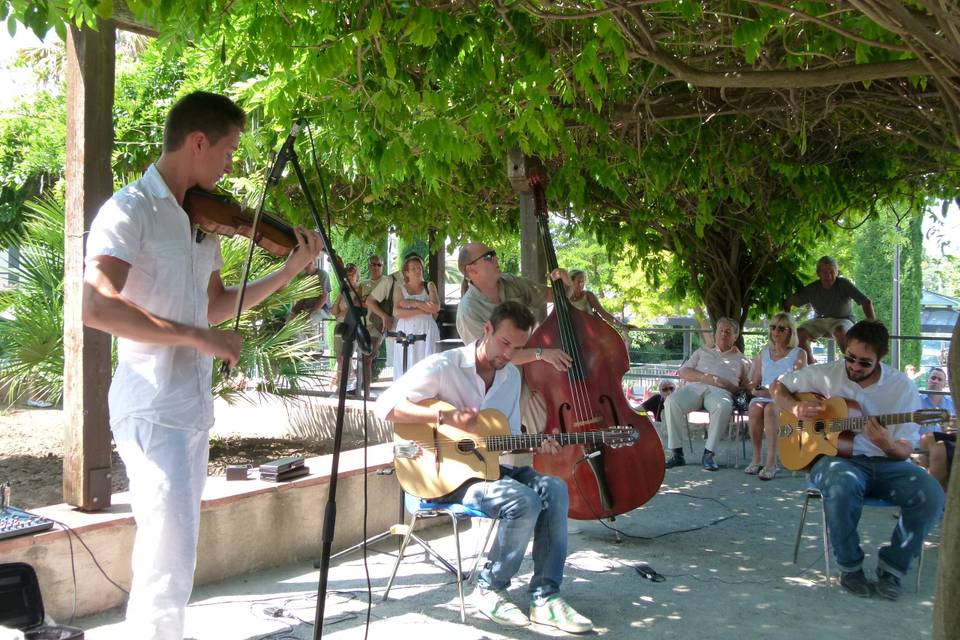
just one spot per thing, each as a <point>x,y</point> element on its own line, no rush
<point>863,362</point>
<point>668,389</point>
<point>489,256</point>
<point>779,328</point>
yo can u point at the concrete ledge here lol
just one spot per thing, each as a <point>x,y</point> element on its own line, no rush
<point>245,526</point>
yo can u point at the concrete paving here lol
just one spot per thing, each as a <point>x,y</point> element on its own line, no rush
<point>723,541</point>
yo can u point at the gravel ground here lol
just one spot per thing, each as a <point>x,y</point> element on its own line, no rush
<point>31,453</point>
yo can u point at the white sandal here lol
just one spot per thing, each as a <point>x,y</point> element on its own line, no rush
<point>768,473</point>
<point>753,469</point>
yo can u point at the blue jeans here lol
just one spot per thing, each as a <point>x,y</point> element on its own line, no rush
<point>845,482</point>
<point>526,504</point>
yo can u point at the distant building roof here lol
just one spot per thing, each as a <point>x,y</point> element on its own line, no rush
<point>931,299</point>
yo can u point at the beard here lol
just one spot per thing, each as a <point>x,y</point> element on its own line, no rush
<point>863,375</point>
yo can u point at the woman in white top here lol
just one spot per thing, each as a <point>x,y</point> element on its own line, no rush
<point>415,306</point>
<point>779,357</point>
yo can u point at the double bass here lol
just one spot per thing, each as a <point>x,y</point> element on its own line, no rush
<point>602,481</point>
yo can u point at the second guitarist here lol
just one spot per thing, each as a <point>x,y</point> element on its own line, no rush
<point>527,504</point>
<point>879,466</point>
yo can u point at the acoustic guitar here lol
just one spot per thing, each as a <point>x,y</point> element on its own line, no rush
<point>802,442</point>
<point>433,460</point>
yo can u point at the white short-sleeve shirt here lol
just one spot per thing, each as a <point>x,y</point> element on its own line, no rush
<point>892,393</point>
<point>143,225</point>
<point>451,376</point>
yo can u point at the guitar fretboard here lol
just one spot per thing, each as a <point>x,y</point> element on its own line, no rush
<point>525,441</point>
<point>860,423</point>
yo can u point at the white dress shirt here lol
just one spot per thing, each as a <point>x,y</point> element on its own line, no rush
<point>892,393</point>
<point>143,225</point>
<point>452,376</point>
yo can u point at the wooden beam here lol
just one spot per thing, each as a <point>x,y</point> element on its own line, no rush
<point>86,441</point>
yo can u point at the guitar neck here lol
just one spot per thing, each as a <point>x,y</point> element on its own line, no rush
<point>524,441</point>
<point>858,424</point>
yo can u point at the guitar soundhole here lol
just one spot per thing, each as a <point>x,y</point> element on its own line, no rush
<point>466,446</point>
<point>819,427</point>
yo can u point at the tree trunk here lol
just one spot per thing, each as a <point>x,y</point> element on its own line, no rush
<point>946,614</point>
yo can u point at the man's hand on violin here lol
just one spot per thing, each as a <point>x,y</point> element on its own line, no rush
<point>309,246</point>
<point>224,345</point>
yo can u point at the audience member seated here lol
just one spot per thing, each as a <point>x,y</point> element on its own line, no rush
<point>779,357</point>
<point>714,376</point>
<point>830,297</point>
<point>654,404</point>
<point>936,381</point>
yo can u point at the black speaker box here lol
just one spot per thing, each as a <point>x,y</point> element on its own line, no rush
<point>21,605</point>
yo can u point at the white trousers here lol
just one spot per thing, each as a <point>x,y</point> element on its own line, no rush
<point>167,469</point>
<point>715,401</point>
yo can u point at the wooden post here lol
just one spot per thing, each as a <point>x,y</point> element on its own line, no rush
<point>533,259</point>
<point>86,441</point>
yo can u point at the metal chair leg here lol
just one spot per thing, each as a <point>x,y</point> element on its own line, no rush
<point>403,550</point>
<point>919,567</point>
<point>826,540</point>
<point>803,519</point>
<point>481,552</point>
<point>456,544</point>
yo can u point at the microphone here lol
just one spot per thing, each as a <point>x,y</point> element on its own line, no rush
<point>285,153</point>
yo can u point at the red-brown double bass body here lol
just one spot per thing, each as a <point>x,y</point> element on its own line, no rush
<point>602,481</point>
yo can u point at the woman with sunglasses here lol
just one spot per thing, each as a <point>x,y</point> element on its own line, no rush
<point>415,306</point>
<point>779,357</point>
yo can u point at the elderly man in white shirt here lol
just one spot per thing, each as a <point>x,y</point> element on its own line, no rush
<point>713,375</point>
<point>153,281</point>
<point>879,466</point>
<point>478,376</point>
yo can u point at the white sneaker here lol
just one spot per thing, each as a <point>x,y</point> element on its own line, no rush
<point>494,605</point>
<point>555,612</point>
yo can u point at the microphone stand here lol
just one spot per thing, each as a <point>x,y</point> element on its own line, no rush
<point>355,333</point>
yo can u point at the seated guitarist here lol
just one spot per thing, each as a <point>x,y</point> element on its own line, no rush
<point>479,376</point>
<point>879,466</point>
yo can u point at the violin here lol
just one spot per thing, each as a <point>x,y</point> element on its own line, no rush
<point>220,213</point>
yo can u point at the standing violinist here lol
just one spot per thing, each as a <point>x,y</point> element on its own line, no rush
<point>153,282</point>
<point>488,287</point>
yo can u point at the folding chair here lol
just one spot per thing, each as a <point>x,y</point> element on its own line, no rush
<point>422,509</point>
<point>813,493</point>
